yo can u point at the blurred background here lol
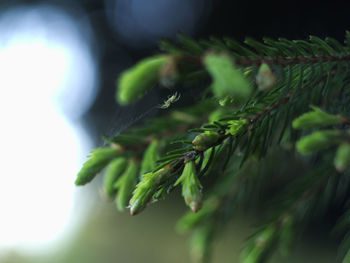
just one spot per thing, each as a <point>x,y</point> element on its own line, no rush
<point>58,64</point>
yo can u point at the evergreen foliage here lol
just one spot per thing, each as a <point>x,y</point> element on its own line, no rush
<point>253,100</point>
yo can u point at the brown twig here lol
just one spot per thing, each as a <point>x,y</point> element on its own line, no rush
<point>283,61</point>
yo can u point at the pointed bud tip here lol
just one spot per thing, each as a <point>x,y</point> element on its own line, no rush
<point>133,212</point>
<point>77,182</point>
<point>340,169</point>
<point>195,206</point>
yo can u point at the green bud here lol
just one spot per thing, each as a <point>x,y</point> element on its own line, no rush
<point>98,159</point>
<point>146,188</point>
<point>125,185</point>
<point>191,187</point>
<point>237,127</point>
<point>265,79</point>
<point>200,242</point>
<point>286,233</point>
<point>114,170</point>
<point>342,157</point>
<point>143,192</point>
<point>262,245</point>
<point>227,79</point>
<point>134,82</point>
<point>205,140</point>
<point>150,157</point>
<point>315,119</point>
<point>317,141</point>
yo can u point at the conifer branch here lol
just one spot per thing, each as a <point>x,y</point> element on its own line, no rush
<point>259,97</point>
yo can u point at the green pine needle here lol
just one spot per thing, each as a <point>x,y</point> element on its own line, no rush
<point>115,169</point>
<point>125,185</point>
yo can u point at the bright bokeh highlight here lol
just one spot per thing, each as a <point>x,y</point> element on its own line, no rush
<point>47,77</point>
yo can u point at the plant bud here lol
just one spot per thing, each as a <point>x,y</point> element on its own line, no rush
<point>342,157</point>
<point>315,119</point>
<point>258,251</point>
<point>98,159</point>
<point>143,193</point>
<point>146,188</point>
<point>134,82</point>
<point>227,79</point>
<point>168,73</point>
<point>204,140</point>
<point>317,141</point>
<point>237,127</point>
<point>200,242</point>
<point>286,233</point>
<point>265,79</point>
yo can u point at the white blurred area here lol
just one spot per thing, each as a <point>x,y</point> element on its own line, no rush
<point>47,81</point>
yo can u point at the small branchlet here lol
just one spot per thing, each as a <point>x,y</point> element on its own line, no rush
<point>316,119</point>
<point>145,189</point>
<point>318,140</point>
<point>205,140</point>
<point>265,79</point>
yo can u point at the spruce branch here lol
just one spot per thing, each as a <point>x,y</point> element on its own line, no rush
<point>290,61</point>
<point>256,99</point>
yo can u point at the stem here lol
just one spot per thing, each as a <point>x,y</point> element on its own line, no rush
<point>284,61</point>
<point>293,60</point>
